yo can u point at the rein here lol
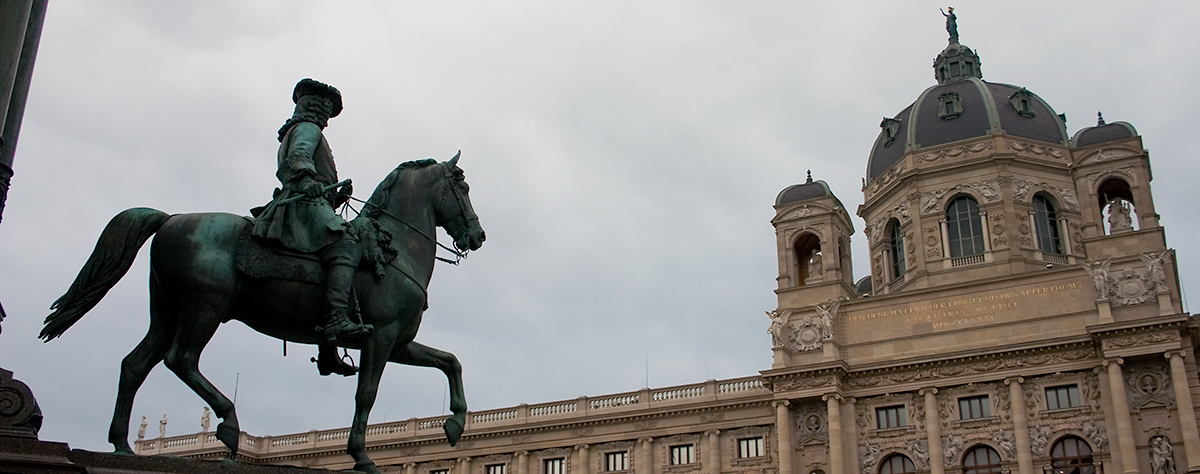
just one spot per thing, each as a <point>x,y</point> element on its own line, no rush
<point>457,254</point>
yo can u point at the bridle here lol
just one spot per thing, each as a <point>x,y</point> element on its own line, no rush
<point>450,178</point>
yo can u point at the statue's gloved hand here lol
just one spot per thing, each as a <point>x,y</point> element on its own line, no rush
<point>306,186</point>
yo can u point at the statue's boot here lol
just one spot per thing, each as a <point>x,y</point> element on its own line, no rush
<point>338,327</point>
<point>329,362</point>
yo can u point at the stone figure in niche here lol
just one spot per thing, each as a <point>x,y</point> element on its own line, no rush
<point>1162,457</point>
<point>1119,219</point>
<point>1156,274</point>
<point>1099,273</point>
<point>162,426</point>
<point>777,329</point>
<point>142,429</point>
<point>814,266</point>
<point>951,24</point>
<point>205,419</point>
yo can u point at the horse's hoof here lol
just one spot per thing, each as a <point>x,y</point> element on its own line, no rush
<point>367,467</point>
<point>454,428</point>
<point>228,434</point>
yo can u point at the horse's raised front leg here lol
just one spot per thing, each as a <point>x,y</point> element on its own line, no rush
<point>374,356</point>
<point>139,362</point>
<point>198,322</point>
<point>415,353</point>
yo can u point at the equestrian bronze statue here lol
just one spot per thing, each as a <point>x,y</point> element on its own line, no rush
<point>209,268</point>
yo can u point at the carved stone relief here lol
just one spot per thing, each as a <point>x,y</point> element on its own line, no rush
<point>954,152</point>
<point>884,180</point>
<point>1140,339</point>
<point>918,451</point>
<point>868,455</point>
<point>1066,196</point>
<point>1149,385</point>
<point>984,366</point>
<point>1155,261</point>
<point>952,447</point>
<point>1095,433</point>
<point>1037,149</point>
<point>1106,155</point>
<point>931,201</point>
<point>811,422</point>
<point>1129,173</point>
<point>1038,438</point>
<point>1007,443</point>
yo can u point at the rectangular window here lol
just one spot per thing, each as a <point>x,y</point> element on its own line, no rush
<point>890,417</point>
<point>440,471</point>
<point>970,408</point>
<point>618,461</point>
<point>555,466</point>
<point>682,454</point>
<point>1066,396</point>
<point>750,447</point>
<point>493,469</point>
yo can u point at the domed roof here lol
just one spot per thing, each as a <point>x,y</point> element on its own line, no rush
<point>863,286</point>
<point>963,106</point>
<point>1103,132</point>
<point>800,192</point>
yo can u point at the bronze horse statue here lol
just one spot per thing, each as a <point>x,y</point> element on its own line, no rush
<point>195,285</point>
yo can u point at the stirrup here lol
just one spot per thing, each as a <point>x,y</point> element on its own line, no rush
<point>338,366</point>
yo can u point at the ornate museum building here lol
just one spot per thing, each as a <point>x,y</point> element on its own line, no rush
<point>1022,316</point>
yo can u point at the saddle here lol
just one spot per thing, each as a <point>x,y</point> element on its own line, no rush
<point>259,259</point>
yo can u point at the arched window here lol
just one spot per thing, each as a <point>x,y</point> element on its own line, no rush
<point>897,464</point>
<point>1045,225</point>
<point>808,249</point>
<point>981,460</point>
<point>964,227</point>
<point>897,241</point>
<point>1072,455</point>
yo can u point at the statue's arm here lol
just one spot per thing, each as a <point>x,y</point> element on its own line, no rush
<point>297,171</point>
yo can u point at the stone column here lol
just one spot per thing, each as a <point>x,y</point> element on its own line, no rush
<point>933,431</point>
<point>1187,414</point>
<point>1125,442</point>
<point>583,458</point>
<point>464,465</point>
<point>522,462</point>
<point>410,468</point>
<point>837,459</point>
<point>783,432</point>
<point>714,451</point>
<point>852,435</point>
<point>1020,415</point>
<point>645,461</point>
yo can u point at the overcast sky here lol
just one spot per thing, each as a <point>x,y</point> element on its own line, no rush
<point>623,157</point>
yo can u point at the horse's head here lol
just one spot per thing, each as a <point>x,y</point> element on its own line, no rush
<point>454,212</point>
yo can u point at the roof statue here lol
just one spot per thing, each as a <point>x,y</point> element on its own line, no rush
<point>951,24</point>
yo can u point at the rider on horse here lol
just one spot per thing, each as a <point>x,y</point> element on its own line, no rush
<point>302,216</point>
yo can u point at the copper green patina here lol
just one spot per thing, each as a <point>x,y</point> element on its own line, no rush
<point>197,281</point>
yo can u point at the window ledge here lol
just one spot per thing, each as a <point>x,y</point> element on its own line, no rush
<point>975,422</point>
<point>694,466</point>
<point>892,432</point>
<point>1065,412</point>
<point>754,461</point>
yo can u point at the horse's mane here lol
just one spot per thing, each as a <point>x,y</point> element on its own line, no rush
<point>379,199</point>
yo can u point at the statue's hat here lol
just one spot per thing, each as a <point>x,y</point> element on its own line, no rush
<point>308,86</point>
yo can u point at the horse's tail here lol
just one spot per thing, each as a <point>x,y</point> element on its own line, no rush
<point>115,251</point>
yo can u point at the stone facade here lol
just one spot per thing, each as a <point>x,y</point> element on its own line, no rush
<point>1023,315</point>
